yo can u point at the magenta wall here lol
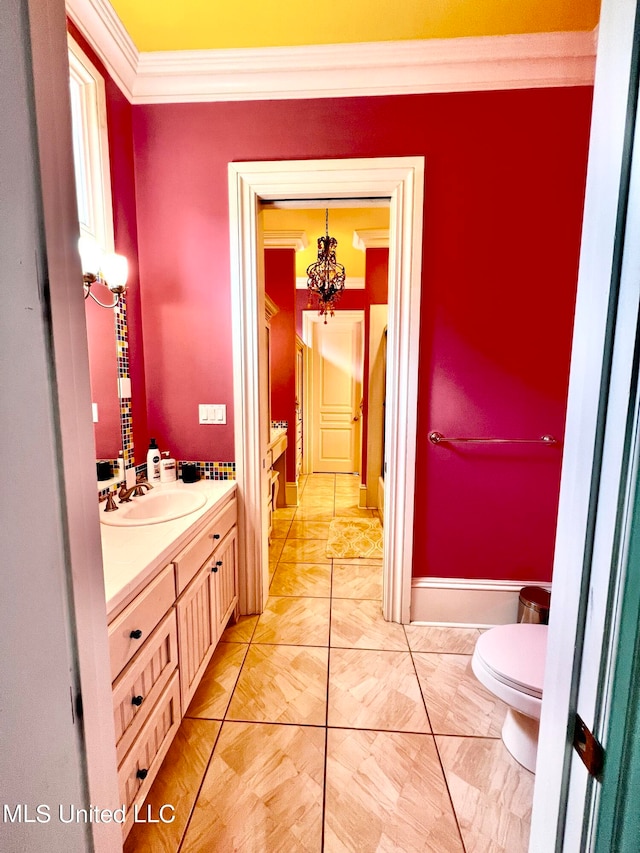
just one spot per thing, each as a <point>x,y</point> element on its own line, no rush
<point>121,156</point>
<point>280,285</point>
<point>101,340</point>
<point>504,189</point>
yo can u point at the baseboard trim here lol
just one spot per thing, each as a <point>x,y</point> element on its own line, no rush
<point>468,603</point>
<point>362,498</point>
<point>291,494</point>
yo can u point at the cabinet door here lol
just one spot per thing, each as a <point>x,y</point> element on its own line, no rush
<point>196,639</point>
<point>224,576</point>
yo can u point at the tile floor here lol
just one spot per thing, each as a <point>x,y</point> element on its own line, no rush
<point>318,726</point>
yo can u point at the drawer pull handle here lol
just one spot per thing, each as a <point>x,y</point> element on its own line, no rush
<point>137,700</point>
<point>142,773</point>
<point>219,563</point>
<point>216,535</point>
<point>135,635</point>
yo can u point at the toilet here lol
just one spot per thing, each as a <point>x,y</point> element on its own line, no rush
<point>509,661</point>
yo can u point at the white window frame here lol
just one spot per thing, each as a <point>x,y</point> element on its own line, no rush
<point>93,141</point>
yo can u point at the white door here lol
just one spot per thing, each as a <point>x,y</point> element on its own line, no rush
<point>337,393</point>
<point>597,479</point>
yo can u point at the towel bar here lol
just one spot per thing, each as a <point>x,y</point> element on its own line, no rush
<point>438,438</point>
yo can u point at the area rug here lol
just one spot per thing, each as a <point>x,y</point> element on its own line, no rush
<point>350,538</point>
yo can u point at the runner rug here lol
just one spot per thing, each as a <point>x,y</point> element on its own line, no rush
<point>350,538</point>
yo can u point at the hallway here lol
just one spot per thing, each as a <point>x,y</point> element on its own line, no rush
<point>318,726</point>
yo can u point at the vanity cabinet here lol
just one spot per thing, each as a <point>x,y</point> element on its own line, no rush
<point>224,576</point>
<point>160,645</point>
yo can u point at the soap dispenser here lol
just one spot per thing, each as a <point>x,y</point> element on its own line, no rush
<point>168,472</point>
<point>153,462</point>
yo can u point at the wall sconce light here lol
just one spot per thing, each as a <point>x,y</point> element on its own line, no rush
<point>104,268</point>
<point>325,278</point>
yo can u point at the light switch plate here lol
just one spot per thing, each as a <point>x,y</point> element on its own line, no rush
<point>212,413</point>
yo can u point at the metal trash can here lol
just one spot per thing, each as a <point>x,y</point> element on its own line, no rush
<point>533,605</point>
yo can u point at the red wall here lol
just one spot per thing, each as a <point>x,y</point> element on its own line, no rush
<point>280,285</point>
<point>504,188</point>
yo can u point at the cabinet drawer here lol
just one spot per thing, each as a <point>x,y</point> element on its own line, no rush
<point>139,685</point>
<point>193,556</point>
<point>137,771</point>
<point>132,627</point>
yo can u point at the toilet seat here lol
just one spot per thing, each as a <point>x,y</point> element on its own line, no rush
<point>509,661</point>
<point>515,656</point>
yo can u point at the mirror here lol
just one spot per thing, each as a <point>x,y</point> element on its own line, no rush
<point>103,368</point>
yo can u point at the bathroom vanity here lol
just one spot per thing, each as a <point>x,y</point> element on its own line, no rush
<point>171,588</point>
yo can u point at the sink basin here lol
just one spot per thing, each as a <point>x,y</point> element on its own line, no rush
<point>154,508</point>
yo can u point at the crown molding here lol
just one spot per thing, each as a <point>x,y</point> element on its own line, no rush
<point>103,29</point>
<point>533,60</point>
<point>371,238</point>
<point>351,282</point>
<point>296,240</point>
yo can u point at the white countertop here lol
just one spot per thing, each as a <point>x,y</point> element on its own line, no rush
<point>132,555</point>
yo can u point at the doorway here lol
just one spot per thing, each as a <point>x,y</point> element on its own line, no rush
<point>334,381</point>
<point>401,180</point>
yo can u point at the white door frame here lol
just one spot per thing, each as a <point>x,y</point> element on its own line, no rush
<point>309,320</point>
<point>400,179</point>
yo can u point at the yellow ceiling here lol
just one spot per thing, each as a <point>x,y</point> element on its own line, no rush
<point>211,24</point>
<point>342,223</point>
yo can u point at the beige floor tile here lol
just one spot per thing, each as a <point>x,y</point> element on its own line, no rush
<point>301,579</point>
<point>375,690</point>
<point>492,794</point>
<point>359,624</point>
<point>318,494</point>
<point>240,631</point>
<point>362,561</point>
<point>321,478</point>
<point>357,580</point>
<point>280,528</point>
<point>282,513</point>
<point>309,530</point>
<point>294,621</point>
<point>348,497</point>
<point>275,549</point>
<point>305,551</point>
<point>350,509</point>
<point>327,485</point>
<point>262,792</point>
<point>386,792</point>
<point>431,638</point>
<point>176,784</point>
<point>214,691</point>
<point>282,684</point>
<point>456,701</point>
<point>313,513</point>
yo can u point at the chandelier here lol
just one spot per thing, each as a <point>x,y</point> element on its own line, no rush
<point>325,278</point>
